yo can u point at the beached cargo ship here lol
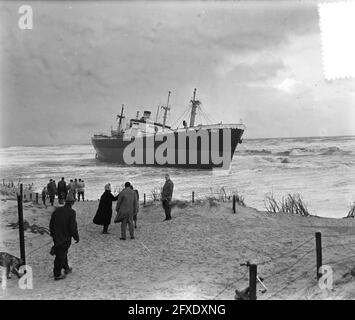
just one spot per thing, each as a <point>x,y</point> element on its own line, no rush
<point>145,142</point>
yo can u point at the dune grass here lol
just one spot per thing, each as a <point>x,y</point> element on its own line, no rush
<point>290,204</point>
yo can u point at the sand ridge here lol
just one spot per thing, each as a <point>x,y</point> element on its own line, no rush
<point>194,256</point>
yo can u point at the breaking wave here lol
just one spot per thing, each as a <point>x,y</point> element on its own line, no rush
<point>297,152</point>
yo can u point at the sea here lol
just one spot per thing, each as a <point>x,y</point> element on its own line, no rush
<point>320,169</point>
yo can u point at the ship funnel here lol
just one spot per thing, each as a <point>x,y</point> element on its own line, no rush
<point>146,115</point>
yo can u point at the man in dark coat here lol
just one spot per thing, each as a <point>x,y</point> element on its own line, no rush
<point>51,191</point>
<point>63,227</point>
<point>126,208</point>
<point>104,212</point>
<point>62,190</point>
<point>136,214</point>
<point>166,195</point>
<point>44,195</point>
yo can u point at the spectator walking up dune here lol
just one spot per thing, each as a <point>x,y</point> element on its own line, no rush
<point>63,227</point>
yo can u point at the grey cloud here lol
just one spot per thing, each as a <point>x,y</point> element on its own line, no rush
<point>78,65</point>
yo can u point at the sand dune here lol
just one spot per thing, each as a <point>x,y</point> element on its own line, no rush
<point>194,256</point>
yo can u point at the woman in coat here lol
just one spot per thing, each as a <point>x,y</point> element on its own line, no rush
<point>104,212</point>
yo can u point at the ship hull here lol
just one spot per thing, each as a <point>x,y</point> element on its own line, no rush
<point>112,150</point>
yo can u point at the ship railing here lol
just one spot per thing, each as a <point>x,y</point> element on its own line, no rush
<point>214,126</point>
<point>100,134</point>
<point>199,127</point>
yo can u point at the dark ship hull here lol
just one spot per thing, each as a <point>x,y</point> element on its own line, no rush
<point>112,148</point>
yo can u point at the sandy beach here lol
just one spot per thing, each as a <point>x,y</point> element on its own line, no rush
<point>196,255</point>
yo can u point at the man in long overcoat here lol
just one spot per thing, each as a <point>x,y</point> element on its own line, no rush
<point>63,227</point>
<point>166,196</point>
<point>51,191</point>
<point>127,207</point>
<point>62,190</point>
<point>104,212</point>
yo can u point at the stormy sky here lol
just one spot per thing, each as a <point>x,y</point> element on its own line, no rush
<point>257,61</point>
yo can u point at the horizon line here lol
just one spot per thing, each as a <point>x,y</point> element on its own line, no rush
<point>80,144</point>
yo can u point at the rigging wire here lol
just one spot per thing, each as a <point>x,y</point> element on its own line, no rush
<point>211,119</point>
<point>179,119</point>
<point>202,114</point>
<point>208,118</point>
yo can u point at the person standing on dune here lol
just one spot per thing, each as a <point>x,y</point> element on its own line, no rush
<point>126,208</point>
<point>51,191</point>
<point>166,196</point>
<point>104,212</point>
<point>63,227</point>
<point>71,188</point>
<point>76,185</point>
<point>44,195</point>
<point>62,190</point>
<point>81,189</point>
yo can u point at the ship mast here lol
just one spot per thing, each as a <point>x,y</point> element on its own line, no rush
<point>166,109</point>
<point>156,117</point>
<point>195,103</point>
<point>120,122</point>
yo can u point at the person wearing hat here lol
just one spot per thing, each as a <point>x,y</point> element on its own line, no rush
<point>126,208</point>
<point>166,196</point>
<point>104,212</point>
<point>51,191</point>
<point>62,190</point>
<point>63,227</point>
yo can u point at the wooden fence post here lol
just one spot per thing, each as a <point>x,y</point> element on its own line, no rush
<point>319,253</point>
<point>233,203</point>
<point>36,197</point>
<point>252,281</point>
<point>21,229</point>
<point>144,201</point>
<point>31,196</point>
<point>193,196</point>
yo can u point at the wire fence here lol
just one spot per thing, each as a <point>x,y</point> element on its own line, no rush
<point>228,285</point>
<point>294,258</point>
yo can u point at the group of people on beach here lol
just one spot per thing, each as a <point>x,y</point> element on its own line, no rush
<point>74,187</point>
<point>12,185</point>
<point>63,225</point>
